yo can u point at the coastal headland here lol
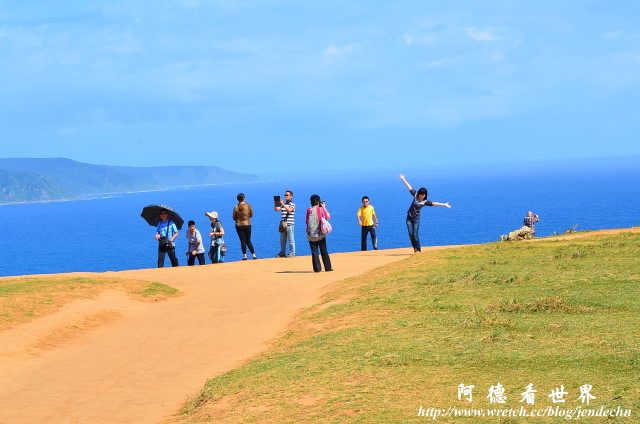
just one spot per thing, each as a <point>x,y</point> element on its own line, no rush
<point>138,362</point>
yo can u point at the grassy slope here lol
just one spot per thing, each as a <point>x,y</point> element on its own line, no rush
<point>554,312</point>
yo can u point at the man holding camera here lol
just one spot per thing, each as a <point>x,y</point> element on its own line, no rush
<point>288,209</point>
<point>530,221</point>
<point>166,233</point>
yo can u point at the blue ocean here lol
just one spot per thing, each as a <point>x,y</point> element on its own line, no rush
<point>107,233</point>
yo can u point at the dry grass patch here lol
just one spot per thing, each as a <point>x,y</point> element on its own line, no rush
<point>69,332</point>
<point>547,304</point>
<point>23,299</point>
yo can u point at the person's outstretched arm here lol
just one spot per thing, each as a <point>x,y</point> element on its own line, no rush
<point>404,180</point>
<point>441,204</point>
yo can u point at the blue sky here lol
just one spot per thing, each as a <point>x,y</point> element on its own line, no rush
<point>286,86</point>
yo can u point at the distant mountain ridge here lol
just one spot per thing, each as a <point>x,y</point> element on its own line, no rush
<point>38,180</point>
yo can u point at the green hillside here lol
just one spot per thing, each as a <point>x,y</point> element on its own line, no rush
<point>18,187</point>
<point>178,176</point>
<point>23,178</point>
<point>394,345</point>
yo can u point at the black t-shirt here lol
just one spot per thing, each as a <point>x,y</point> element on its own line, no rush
<point>416,205</point>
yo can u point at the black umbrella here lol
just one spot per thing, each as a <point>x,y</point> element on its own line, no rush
<point>151,214</point>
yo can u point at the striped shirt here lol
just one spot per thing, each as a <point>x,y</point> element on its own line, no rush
<point>290,218</point>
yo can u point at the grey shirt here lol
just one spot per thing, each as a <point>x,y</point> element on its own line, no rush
<point>194,240</point>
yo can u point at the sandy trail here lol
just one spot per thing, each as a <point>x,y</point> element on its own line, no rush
<point>116,360</point>
<point>136,362</point>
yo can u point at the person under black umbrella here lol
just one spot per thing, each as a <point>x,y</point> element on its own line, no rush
<point>166,234</point>
<point>151,214</point>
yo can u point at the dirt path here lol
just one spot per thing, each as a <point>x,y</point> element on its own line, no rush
<point>116,360</point>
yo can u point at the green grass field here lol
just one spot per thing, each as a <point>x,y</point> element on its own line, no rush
<point>550,313</point>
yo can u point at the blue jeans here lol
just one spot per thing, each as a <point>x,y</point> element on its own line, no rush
<point>413,225</point>
<point>215,254</point>
<point>284,236</point>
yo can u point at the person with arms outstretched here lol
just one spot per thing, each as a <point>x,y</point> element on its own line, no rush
<point>413,214</point>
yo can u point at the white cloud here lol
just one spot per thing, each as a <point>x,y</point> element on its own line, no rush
<point>439,63</point>
<point>484,34</point>
<point>612,34</point>
<point>333,50</point>
<point>496,57</point>
<point>191,4</point>
<point>620,35</point>
<point>420,39</point>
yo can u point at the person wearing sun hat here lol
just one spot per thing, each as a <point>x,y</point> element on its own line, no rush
<point>216,253</point>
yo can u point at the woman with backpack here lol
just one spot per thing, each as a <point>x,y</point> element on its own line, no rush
<point>315,234</point>
<point>216,251</point>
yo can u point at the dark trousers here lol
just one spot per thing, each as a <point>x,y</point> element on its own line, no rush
<point>171,251</point>
<point>244,232</point>
<point>191,260</point>
<point>215,254</point>
<point>413,225</point>
<point>365,230</point>
<point>315,258</point>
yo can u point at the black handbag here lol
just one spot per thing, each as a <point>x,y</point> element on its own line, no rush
<point>163,242</point>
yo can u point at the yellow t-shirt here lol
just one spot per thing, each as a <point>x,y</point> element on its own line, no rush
<point>367,215</point>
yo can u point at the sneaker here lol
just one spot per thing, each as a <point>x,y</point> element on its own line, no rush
<point>280,255</point>
<point>291,255</point>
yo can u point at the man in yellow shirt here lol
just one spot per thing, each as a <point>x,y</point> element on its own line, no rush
<point>368,220</point>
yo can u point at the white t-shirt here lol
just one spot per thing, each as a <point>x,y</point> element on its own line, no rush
<point>193,239</point>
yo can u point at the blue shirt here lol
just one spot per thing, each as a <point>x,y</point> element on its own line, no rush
<point>167,229</point>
